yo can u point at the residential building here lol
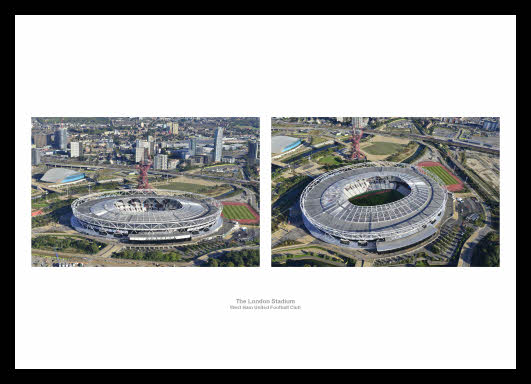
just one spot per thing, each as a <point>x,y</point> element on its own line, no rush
<point>173,127</point>
<point>75,149</point>
<point>40,140</point>
<point>161,162</point>
<point>35,156</point>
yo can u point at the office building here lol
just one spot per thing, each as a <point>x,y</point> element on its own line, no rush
<point>228,159</point>
<point>181,154</point>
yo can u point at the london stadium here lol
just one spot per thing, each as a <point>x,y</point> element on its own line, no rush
<point>336,207</point>
<point>149,215</point>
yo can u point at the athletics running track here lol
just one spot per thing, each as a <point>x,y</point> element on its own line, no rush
<point>256,219</point>
<point>452,187</point>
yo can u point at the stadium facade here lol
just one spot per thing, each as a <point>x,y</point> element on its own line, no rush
<point>281,144</point>
<point>62,176</point>
<point>330,213</point>
<point>147,215</point>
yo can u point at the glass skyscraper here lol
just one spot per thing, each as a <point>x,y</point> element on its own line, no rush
<point>253,152</point>
<point>193,147</point>
<point>61,138</point>
<point>218,144</point>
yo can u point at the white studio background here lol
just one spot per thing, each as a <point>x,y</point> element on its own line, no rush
<point>265,66</point>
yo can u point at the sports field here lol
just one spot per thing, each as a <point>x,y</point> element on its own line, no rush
<point>373,198</point>
<point>442,173</point>
<point>237,212</point>
<point>453,184</point>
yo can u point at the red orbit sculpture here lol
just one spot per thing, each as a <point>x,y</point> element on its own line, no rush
<point>357,133</point>
<point>143,167</point>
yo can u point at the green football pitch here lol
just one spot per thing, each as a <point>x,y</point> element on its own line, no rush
<point>373,198</point>
<point>237,212</point>
<point>442,173</point>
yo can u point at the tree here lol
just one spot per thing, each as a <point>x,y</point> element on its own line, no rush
<point>487,252</point>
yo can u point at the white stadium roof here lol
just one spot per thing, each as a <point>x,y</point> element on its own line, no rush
<point>325,202</point>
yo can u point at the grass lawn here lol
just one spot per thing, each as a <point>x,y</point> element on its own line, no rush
<point>382,148</point>
<point>40,204</point>
<point>237,212</point>
<point>328,160</point>
<point>319,139</point>
<point>67,244</point>
<point>442,173</point>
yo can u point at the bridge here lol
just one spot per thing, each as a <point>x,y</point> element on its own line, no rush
<point>279,164</point>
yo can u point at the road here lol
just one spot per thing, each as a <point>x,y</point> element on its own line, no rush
<point>465,260</point>
<point>316,258</point>
<point>280,164</point>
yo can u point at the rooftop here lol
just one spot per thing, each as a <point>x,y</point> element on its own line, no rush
<point>60,175</point>
<point>325,200</point>
<point>280,144</point>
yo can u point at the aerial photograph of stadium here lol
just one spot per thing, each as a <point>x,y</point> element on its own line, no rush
<point>385,191</point>
<point>145,192</point>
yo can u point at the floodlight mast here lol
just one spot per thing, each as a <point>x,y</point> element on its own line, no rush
<point>357,133</point>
